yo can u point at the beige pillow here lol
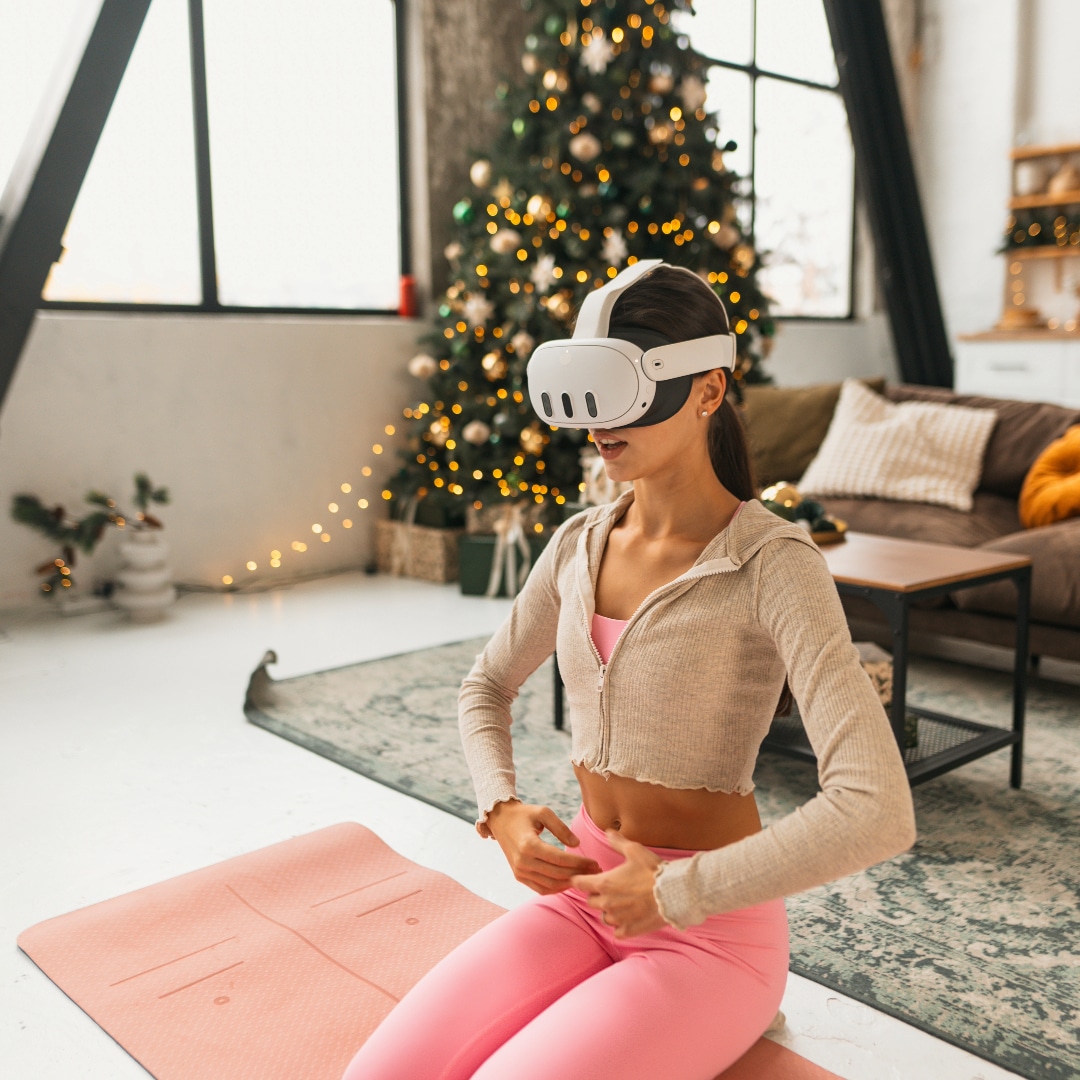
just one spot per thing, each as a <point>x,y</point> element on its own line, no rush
<point>914,451</point>
<point>785,426</point>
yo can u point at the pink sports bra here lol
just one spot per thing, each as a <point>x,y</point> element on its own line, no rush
<point>605,632</point>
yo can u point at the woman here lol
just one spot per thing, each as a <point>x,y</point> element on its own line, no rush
<point>658,945</point>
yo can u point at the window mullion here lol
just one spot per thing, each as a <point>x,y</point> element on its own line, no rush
<point>207,255</point>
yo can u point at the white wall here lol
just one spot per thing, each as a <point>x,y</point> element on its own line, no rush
<point>995,73</point>
<point>252,422</point>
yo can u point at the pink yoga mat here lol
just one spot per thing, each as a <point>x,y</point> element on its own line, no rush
<point>276,965</point>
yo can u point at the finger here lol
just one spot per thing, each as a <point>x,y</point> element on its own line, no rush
<point>557,827</point>
<point>557,857</point>
<point>589,883</point>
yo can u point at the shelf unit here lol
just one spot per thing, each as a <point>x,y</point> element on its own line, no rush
<point>1057,241</point>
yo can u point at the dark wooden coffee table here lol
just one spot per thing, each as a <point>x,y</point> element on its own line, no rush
<point>893,573</point>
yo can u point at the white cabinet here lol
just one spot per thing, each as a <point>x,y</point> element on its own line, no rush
<point>1025,368</point>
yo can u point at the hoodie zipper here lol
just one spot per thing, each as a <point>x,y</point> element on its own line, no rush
<point>605,727</point>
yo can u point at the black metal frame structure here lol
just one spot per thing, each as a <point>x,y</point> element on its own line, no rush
<point>204,194</point>
<point>43,188</point>
<point>887,176</point>
<point>947,741</point>
<point>755,73</point>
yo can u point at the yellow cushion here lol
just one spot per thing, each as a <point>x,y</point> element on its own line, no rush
<point>1051,490</point>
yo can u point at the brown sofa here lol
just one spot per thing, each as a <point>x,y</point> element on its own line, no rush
<point>985,613</point>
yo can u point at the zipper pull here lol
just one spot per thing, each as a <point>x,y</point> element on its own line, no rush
<point>600,683</point>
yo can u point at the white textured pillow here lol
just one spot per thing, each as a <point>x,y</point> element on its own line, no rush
<point>914,451</point>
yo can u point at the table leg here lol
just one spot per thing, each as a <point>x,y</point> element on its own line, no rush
<point>893,605</point>
<point>1022,581</point>
<point>558,694</point>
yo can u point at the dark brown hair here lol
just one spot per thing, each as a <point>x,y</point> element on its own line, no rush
<point>678,304</point>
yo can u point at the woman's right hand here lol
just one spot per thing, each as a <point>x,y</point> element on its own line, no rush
<point>517,826</point>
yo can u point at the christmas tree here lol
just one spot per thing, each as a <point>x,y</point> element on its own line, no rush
<point>607,156</point>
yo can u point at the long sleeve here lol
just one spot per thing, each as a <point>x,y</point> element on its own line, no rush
<point>863,813</point>
<point>520,645</point>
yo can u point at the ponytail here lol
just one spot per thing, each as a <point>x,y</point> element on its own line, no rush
<point>729,451</point>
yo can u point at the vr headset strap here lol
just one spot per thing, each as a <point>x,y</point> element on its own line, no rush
<point>595,313</point>
<point>689,357</point>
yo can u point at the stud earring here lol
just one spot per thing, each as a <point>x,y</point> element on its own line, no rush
<point>705,413</point>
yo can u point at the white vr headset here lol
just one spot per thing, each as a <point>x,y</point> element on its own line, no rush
<point>633,379</point>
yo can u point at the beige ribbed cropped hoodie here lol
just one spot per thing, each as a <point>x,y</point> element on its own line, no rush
<point>688,694</point>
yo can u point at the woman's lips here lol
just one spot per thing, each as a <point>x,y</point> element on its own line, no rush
<point>610,453</point>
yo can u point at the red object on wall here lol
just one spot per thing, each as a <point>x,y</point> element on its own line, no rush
<point>407,303</point>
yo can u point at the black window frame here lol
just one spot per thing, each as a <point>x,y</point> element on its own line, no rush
<point>755,72</point>
<point>210,304</point>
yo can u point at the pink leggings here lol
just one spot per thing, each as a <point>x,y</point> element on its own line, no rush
<point>546,991</point>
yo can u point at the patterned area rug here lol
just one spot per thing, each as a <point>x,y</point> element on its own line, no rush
<point>973,936</point>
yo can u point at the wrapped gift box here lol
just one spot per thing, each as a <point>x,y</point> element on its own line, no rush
<point>476,554</point>
<point>417,551</point>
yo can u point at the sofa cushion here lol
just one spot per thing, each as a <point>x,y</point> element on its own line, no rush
<point>785,426</point>
<point>1051,490</point>
<point>913,451</point>
<point>1055,576</point>
<point>1023,429</point>
<point>991,516</point>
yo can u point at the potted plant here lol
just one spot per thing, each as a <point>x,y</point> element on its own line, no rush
<point>146,589</point>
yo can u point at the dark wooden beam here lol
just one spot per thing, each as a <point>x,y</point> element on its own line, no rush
<point>40,195</point>
<point>886,176</point>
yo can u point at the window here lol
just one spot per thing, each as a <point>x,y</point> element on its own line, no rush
<point>250,161</point>
<point>774,87</point>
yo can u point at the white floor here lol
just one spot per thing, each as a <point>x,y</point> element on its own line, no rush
<point>126,759</point>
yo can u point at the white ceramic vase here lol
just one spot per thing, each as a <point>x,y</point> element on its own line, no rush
<point>146,588</point>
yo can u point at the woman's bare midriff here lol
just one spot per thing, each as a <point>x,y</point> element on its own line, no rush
<point>689,819</point>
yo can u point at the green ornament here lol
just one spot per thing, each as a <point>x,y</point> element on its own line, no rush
<point>562,209</point>
<point>444,310</point>
<point>501,91</point>
<point>463,212</point>
<point>645,204</point>
<point>518,126</point>
<point>554,25</point>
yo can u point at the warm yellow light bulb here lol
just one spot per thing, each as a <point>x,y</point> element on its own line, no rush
<point>366,470</point>
<point>377,449</point>
<point>346,523</point>
<point>226,580</point>
<point>275,554</point>
<point>325,538</point>
<point>333,508</point>
<point>316,528</point>
<point>363,504</point>
<point>253,566</point>
<point>389,429</point>
<point>346,488</point>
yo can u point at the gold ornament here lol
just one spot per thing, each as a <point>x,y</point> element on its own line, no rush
<point>662,83</point>
<point>438,434</point>
<point>532,440</point>
<point>539,207</point>
<point>782,492</point>
<point>494,365</point>
<point>660,134</point>
<point>743,256</point>
<point>480,173</point>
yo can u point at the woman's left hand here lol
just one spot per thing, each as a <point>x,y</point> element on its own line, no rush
<point>625,894</point>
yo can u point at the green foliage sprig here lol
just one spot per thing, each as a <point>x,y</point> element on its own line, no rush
<point>83,534</point>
